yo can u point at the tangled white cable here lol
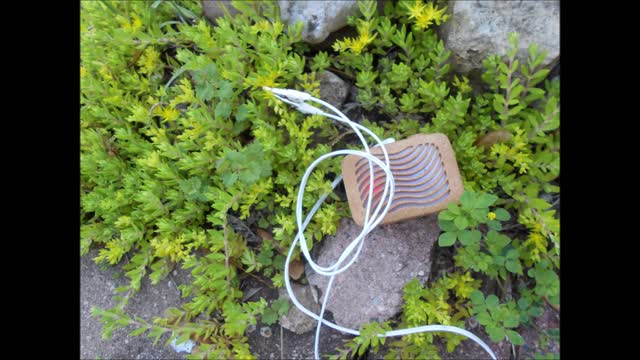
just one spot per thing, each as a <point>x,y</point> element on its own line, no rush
<point>371,220</point>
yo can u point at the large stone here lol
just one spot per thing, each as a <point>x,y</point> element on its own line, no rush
<point>295,320</point>
<point>371,289</point>
<point>477,29</point>
<point>333,89</point>
<point>320,18</point>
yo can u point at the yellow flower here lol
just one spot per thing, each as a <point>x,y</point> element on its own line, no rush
<point>83,72</point>
<point>261,26</point>
<point>491,215</point>
<point>137,23</point>
<point>133,26</point>
<point>416,10</point>
<point>362,41</point>
<point>268,80</point>
<point>433,13</point>
<point>537,244</point>
<point>358,44</point>
<point>149,60</point>
<point>423,21</point>
<point>105,73</point>
<point>169,113</point>
<point>426,15</point>
<point>166,248</point>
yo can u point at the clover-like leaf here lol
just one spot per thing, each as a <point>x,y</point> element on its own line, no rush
<point>469,236</point>
<point>502,214</point>
<point>514,337</point>
<point>447,238</point>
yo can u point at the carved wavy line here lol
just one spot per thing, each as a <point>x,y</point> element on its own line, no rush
<point>395,163</point>
<point>412,192</point>
<point>435,182</point>
<point>398,154</point>
<point>396,168</point>
<point>363,186</point>
<point>437,200</point>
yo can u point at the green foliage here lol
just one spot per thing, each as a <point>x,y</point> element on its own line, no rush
<point>472,228</point>
<point>499,258</point>
<point>369,338</point>
<point>177,137</point>
<point>547,282</point>
<point>460,221</point>
<point>357,45</point>
<point>498,319</point>
<point>217,339</point>
<point>546,356</point>
<point>506,138</point>
<point>271,314</point>
<point>248,166</point>
<point>443,302</point>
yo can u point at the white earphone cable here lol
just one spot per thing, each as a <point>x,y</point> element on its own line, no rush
<point>371,220</point>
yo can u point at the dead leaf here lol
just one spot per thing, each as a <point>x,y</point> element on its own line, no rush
<point>201,339</point>
<point>265,235</point>
<point>135,57</point>
<point>249,293</point>
<point>498,136</point>
<point>296,269</point>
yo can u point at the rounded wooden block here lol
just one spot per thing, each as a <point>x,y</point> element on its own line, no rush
<point>426,177</point>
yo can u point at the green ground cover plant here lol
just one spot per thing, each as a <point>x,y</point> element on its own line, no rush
<point>179,142</point>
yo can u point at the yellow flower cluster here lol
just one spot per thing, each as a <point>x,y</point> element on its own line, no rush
<point>173,248</point>
<point>133,26</point>
<point>169,113</point>
<point>425,15</point>
<point>358,44</point>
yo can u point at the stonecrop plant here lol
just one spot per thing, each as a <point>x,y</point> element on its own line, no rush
<point>181,148</point>
<point>506,140</point>
<point>177,137</point>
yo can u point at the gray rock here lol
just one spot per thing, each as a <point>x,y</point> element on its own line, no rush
<point>333,89</point>
<point>296,320</point>
<point>320,18</point>
<point>213,9</point>
<point>477,29</point>
<point>371,289</point>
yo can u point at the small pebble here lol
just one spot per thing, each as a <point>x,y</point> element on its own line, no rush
<point>420,273</point>
<point>265,331</point>
<point>473,322</point>
<point>251,328</point>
